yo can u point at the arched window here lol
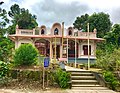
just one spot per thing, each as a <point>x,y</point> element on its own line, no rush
<point>42,32</point>
<point>70,32</point>
<point>56,31</point>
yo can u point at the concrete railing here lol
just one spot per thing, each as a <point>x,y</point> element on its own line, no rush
<point>25,32</point>
<point>85,34</point>
<point>101,80</point>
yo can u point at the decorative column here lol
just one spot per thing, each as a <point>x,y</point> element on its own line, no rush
<point>61,51</point>
<point>17,29</point>
<point>75,51</point>
<point>79,49</point>
<point>62,38</point>
<point>94,48</point>
<point>95,32</point>
<point>16,43</point>
<point>51,50</point>
<point>67,49</point>
<point>88,46</point>
<point>34,31</point>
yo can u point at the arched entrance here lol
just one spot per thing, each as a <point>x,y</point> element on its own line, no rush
<point>57,51</point>
<point>43,46</point>
<point>71,48</point>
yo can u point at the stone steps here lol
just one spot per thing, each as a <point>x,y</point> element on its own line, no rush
<point>90,88</point>
<point>83,77</point>
<point>81,74</point>
<point>84,80</point>
<point>83,85</point>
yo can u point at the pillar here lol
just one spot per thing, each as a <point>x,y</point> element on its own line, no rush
<point>79,50</point>
<point>61,51</point>
<point>51,49</point>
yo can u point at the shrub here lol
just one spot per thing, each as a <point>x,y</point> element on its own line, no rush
<point>109,61</point>
<point>109,77</point>
<point>26,54</point>
<point>62,78</point>
<point>3,69</point>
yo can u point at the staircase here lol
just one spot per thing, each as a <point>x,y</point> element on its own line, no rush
<point>85,80</point>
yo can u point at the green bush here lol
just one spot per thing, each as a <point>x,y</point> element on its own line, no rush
<point>109,77</point>
<point>4,73</point>
<point>109,61</point>
<point>62,78</point>
<point>3,69</point>
<point>25,55</point>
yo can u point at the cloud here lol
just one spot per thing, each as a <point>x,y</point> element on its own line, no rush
<point>50,11</point>
<point>115,15</point>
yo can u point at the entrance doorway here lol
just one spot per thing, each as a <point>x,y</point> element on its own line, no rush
<point>85,49</point>
<point>43,47</point>
<point>57,51</point>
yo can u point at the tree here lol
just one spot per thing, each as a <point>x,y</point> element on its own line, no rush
<point>6,45</point>
<point>22,17</point>
<point>113,37</point>
<point>100,21</point>
<point>3,21</point>
<point>81,22</point>
<point>11,29</point>
<point>25,55</point>
<point>6,49</point>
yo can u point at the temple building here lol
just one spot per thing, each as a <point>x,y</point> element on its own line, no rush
<point>59,43</point>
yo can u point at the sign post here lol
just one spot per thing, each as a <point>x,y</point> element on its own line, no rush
<point>46,64</point>
<point>43,78</point>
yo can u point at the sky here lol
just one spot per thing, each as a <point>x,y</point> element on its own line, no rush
<point>51,11</point>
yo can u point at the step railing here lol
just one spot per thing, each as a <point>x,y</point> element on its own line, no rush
<point>100,79</point>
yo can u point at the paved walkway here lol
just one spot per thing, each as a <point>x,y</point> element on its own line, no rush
<point>73,69</point>
<point>58,91</point>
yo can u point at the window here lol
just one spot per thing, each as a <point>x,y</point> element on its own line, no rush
<point>24,43</point>
<point>70,32</point>
<point>56,31</point>
<point>85,49</point>
<point>42,32</point>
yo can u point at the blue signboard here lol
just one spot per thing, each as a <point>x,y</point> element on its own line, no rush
<point>46,62</point>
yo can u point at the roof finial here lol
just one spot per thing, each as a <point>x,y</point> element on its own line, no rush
<point>95,30</point>
<point>17,27</point>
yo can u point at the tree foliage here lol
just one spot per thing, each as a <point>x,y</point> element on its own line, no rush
<point>81,22</point>
<point>3,21</point>
<point>6,49</point>
<point>100,21</point>
<point>6,45</point>
<point>108,61</point>
<point>22,17</point>
<point>113,37</point>
<point>26,54</point>
<point>3,69</point>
